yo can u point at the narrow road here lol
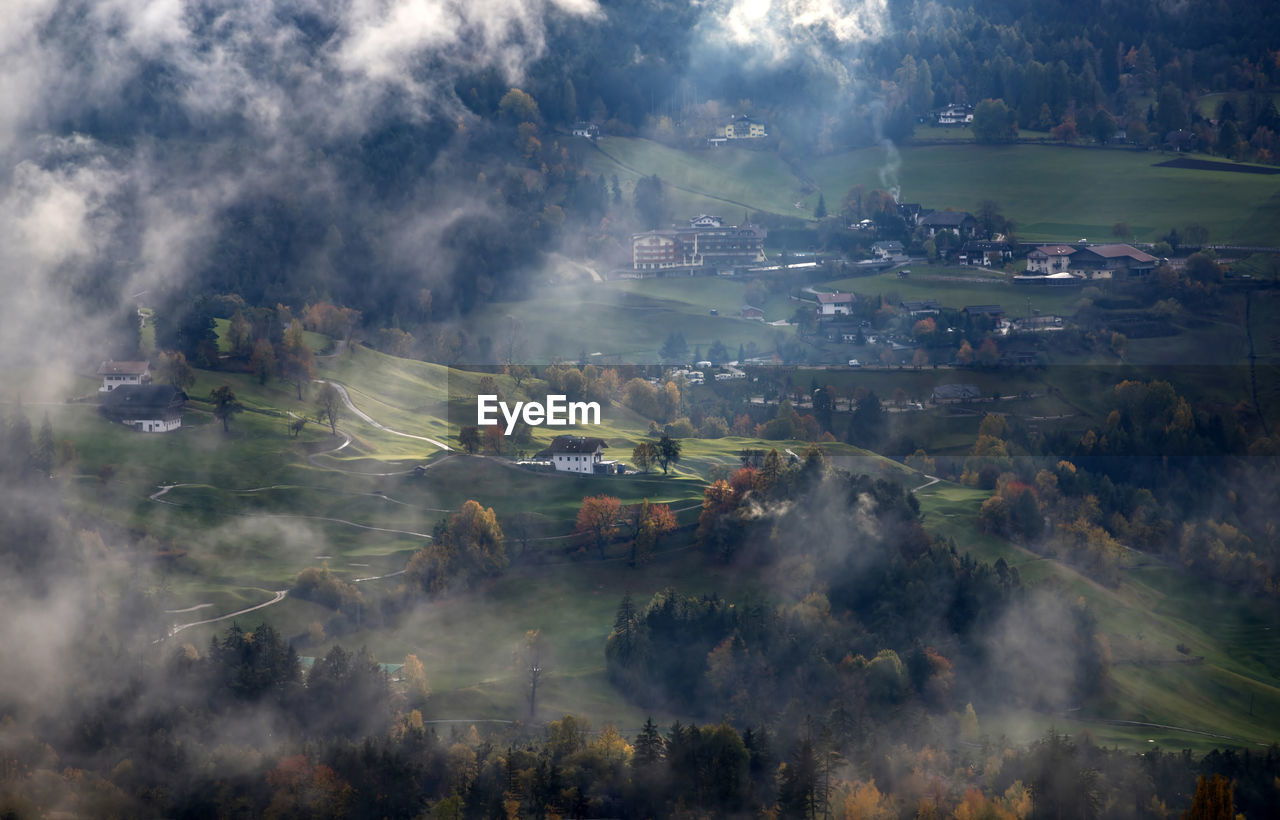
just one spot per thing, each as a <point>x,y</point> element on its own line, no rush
<point>278,596</point>
<point>932,480</point>
<point>346,399</point>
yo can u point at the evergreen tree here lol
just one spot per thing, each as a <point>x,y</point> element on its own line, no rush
<point>649,746</point>
<point>42,457</point>
<point>17,445</point>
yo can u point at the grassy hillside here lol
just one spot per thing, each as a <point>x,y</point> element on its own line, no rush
<point>629,320</point>
<point>1232,697</point>
<point>724,181</point>
<point>1052,192</point>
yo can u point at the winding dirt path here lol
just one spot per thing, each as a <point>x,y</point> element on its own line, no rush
<point>932,480</point>
<point>346,399</point>
<point>277,597</point>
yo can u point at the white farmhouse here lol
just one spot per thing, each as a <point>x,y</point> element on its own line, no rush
<point>835,304</point>
<point>1050,259</point>
<point>578,454</point>
<point>147,408</point>
<point>118,374</point>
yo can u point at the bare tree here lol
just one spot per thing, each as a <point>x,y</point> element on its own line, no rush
<point>329,407</point>
<point>532,657</point>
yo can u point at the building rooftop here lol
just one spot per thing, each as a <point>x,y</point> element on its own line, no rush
<point>957,391</point>
<point>835,298</point>
<point>1118,251</point>
<point>142,400</point>
<point>112,368</point>
<point>575,444</point>
<point>946,218</point>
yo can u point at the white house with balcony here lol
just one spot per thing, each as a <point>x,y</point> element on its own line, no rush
<point>1048,259</point>
<point>119,374</point>
<point>577,454</point>
<point>835,304</point>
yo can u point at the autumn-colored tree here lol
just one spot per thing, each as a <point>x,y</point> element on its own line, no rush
<point>470,545</point>
<point>262,363</point>
<point>651,521</point>
<point>644,456</point>
<point>297,363</point>
<point>494,439</point>
<point>716,532</point>
<point>300,788</point>
<point>598,519</point>
<point>988,353</point>
<point>1213,799</point>
<point>240,336</point>
<point>469,437</point>
<point>173,369</point>
<point>415,680</point>
<point>965,354</point>
<point>225,404</point>
<point>919,460</point>
<point>925,327</point>
<point>919,359</point>
<point>395,342</point>
<point>516,106</point>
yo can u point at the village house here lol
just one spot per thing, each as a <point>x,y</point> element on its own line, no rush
<point>952,393</point>
<point>754,313</point>
<point>706,242</point>
<point>887,250</point>
<point>911,213</point>
<point>148,408</point>
<point>118,374</point>
<point>921,307</point>
<point>993,312</point>
<point>1048,259</point>
<point>1112,262</point>
<point>985,253</point>
<point>956,114</point>
<point>578,454</point>
<point>961,222</point>
<point>740,128</point>
<point>1039,324</point>
<point>835,304</point>
<point>588,130</point>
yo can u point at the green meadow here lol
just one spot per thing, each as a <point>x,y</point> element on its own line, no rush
<point>1052,192</point>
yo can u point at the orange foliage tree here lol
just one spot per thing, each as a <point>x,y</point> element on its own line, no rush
<point>598,520</point>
